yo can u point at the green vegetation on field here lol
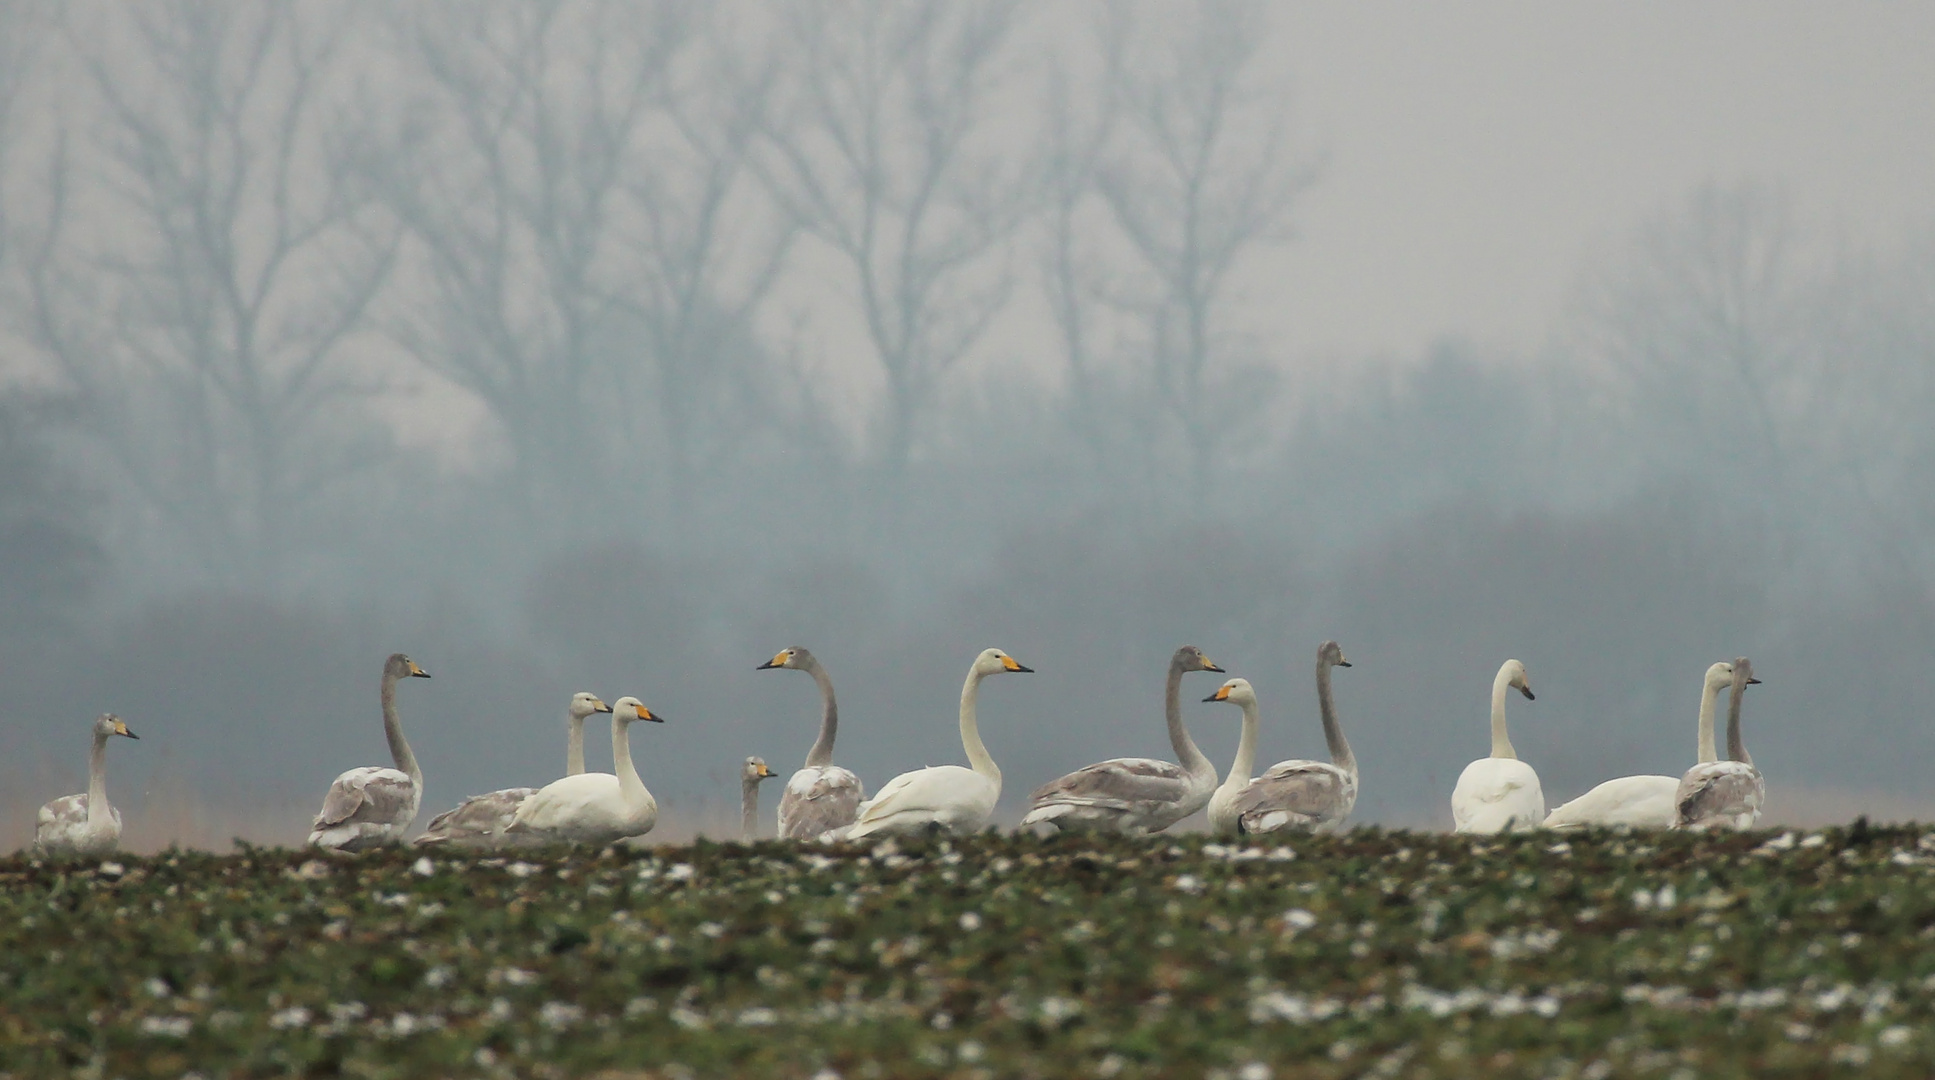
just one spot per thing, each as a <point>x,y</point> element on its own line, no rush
<point>1385,954</point>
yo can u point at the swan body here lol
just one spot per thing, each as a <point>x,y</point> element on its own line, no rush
<point>821,797</point>
<point>373,806</point>
<point>750,775</point>
<point>947,798</point>
<point>1645,802</point>
<point>1311,796</point>
<point>1725,794</point>
<point>85,824</point>
<point>480,820</point>
<point>594,808</point>
<point>1499,793</point>
<point>1135,795</point>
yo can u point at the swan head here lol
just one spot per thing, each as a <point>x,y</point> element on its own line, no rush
<point>1331,654</point>
<point>399,666</point>
<point>1743,674</point>
<point>1720,676</point>
<point>584,704</point>
<point>792,656</point>
<point>1191,658</point>
<point>994,662</point>
<point>627,709</point>
<point>108,724</point>
<point>1514,675</point>
<point>1235,691</point>
<point>756,770</point>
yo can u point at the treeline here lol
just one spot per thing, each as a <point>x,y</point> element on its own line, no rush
<point>618,345</point>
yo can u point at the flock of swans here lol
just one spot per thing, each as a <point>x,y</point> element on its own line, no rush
<point>375,806</point>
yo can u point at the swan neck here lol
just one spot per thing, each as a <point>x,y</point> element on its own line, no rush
<point>1501,742</point>
<point>629,785</point>
<point>400,752</point>
<point>1707,750</point>
<point>574,750</point>
<point>822,752</point>
<point>1245,764</point>
<point>1188,755</point>
<point>1340,754</point>
<point>748,808</point>
<point>1736,744</point>
<point>97,804</point>
<point>977,751</point>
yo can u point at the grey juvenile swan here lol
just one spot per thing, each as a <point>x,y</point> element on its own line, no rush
<point>1725,794</point>
<point>85,824</point>
<point>1297,794</point>
<point>480,820</point>
<point>750,775</point>
<point>821,796</point>
<point>1135,795</point>
<point>373,805</point>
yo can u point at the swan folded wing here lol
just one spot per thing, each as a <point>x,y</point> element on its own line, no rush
<point>369,794</point>
<point>939,793</point>
<point>476,818</point>
<point>1720,793</point>
<point>1295,795</point>
<point>819,800</point>
<point>1643,801</point>
<point>1118,784</point>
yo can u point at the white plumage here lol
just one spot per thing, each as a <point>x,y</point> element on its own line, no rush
<point>944,797</point>
<point>1499,793</point>
<point>594,808</point>
<point>85,824</point>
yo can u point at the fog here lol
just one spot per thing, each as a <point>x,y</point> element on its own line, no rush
<point>616,346</point>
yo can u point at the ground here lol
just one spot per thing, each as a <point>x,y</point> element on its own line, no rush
<point>1383,954</point>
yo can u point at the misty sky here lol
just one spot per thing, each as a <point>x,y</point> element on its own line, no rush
<point>1475,153</point>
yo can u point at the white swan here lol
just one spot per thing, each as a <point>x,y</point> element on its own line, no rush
<point>1298,794</point>
<point>1499,793</point>
<point>1725,794</point>
<point>821,796</point>
<point>372,806</point>
<point>1645,802</point>
<point>595,808</point>
<point>944,797</point>
<point>85,824</point>
<point>480,820</point>
<point>750,775</point>
<point>1135,795</point>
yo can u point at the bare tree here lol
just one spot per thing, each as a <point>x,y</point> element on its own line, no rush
<point>885,154</point>
<point>709,247</point>
<point>1199,173</point>
<point>509,173</point>
<point>1696,324</point>
<point>206,262</point>
<point>1072,267</point>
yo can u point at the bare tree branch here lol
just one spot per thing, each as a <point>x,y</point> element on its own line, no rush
<point>244,268</point>
<point>883,154</point>
<point>1189,195</point>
